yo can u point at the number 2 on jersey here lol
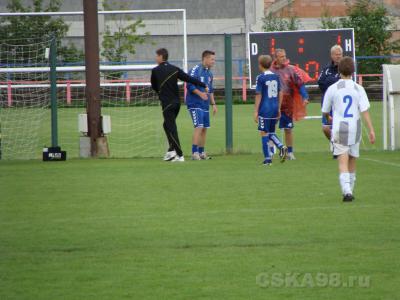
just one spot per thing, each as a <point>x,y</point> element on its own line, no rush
<point>347,99</point>
<point>272,88</point>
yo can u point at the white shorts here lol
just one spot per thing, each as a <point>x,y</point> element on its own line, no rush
<point>352,150</point>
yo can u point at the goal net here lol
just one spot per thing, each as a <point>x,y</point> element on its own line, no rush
<point>126,94</point>
<point>24,97</point>
<point>391,107</point>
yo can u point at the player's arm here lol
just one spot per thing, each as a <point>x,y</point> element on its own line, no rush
<point>304,93</point>
<point>321,81</point>
<point>214,105</point>
<point>328,118</point>
<point>192,88</point>
<point>201,94</point>
<point>280,96</point>
<point>257,101</point>
<point>212,98</point>
<point>153,80</point>
<point>364,108</point>
<point>327,105</point>
<point>367,119</point>
<point>257,107</point>
<point>186,78</point>
<point>280,103</point>
<point>325,81</point>
<point>302,88</point>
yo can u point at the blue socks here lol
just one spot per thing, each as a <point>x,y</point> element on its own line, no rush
<point>272,150</point>
<point>276,140</point>
<point>195,148</point>
<point>265,147</point>
<point>290,149</point>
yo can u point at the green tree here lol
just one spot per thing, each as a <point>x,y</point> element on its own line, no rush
<point>28,30</point>
<point>275,23</point>
<point>371,24</point>
<point>373,37</point>
<point>120,36</point>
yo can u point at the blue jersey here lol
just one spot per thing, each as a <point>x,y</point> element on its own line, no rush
<point>204,75</point>
<point>269,86</point>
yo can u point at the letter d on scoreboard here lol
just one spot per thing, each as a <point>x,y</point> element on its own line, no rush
<point>308,49</point>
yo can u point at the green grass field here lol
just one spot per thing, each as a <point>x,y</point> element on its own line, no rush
<point>217,229</point>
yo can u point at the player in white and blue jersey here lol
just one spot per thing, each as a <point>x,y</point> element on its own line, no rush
<point>267,108</point>
<point>349,101</point>
<point>198,102</point>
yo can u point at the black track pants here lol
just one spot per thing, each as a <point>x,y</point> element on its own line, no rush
<point>170,113</point>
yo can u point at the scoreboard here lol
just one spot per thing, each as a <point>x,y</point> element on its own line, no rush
<point>309,49</point>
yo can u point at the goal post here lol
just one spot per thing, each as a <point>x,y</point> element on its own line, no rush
<point>53,92</point>
<point>391,107</point>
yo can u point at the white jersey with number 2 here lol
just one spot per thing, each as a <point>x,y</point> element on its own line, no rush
<point>348,100</point>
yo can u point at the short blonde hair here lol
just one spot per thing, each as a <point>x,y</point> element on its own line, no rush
<point>336,47</point>
<point>265,61</point>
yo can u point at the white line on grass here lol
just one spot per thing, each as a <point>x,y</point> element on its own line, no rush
<point>381,162</point>
<point>169,215</point>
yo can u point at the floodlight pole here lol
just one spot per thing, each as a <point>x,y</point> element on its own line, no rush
<point>91,31</point>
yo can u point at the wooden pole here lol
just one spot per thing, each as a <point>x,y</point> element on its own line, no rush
<point>91,31</point>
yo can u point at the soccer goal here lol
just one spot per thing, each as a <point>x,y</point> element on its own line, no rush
<point>126,94</point>
<point>391,107</point>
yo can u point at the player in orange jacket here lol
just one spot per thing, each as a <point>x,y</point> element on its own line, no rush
<point>295,96</point>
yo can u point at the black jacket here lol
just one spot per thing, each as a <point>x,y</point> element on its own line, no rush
<point>164,80</point>
<point>329,76</point>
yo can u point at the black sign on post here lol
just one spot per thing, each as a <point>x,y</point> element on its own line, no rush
<point>308,49</point>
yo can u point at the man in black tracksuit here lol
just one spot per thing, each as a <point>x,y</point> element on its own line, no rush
<point>164,80</point>
<point>329,76</point>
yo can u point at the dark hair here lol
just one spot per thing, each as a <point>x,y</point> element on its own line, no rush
<point>163,52</point>
<point>265,61</point>
<point>207,53</point>
<point>346,66</point>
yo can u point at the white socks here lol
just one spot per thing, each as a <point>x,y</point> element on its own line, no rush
<point>347,182</point>
<point>344,179</point>
<point>352,181</point>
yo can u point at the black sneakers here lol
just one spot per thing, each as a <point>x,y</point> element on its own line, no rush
<point>348,198</point>
<point>283,152</point>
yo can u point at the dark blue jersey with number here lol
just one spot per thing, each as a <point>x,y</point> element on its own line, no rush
<point>269,86</point>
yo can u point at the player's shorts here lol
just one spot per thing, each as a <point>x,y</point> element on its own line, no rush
<point>285,122</point>
<point>266,124</point>
<point>352,150</point>
<point>200,117</point>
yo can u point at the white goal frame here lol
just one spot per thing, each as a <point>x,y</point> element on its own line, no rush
<point>391,107</point>
<point>115,12</point>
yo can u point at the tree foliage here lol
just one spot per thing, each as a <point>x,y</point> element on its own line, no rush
<point>275,23</point>
<point>120,36</point>
<point>373,37</point>
<point>28,30</point>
